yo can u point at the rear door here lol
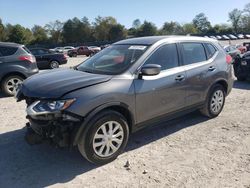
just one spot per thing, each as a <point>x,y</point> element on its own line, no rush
<point>164,93</point>
<point>198,62</point>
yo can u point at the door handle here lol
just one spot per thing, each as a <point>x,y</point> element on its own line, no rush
<point>212,68</point>
<point>179,77</point>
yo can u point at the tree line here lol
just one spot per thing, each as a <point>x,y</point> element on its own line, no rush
<point>108,29</point>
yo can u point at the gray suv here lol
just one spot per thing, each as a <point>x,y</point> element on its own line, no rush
<point>16,64</point>
<point>131,84</point>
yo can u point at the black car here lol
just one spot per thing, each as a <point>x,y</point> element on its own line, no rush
<point>16,64</point>
<point>242,67</point>
<point>47,59</point>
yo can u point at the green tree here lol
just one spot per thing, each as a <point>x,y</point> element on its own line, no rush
<point>235,17</point>
<point>19,34</point>
<point>55,31</point>
<point>201,23</point>
<point>136,24</point>
<point>102,26</point>
<point>76,30</point>
<point>2,31</point>
<point>189,28</point>
<point>147,29</point>
<point>117,32</point>
<point>171,28</point>
<point>39,35</point>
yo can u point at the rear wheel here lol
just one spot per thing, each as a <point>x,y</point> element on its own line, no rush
<point>215,101</point>
<point>105,139</point>
<point>10,83</point>
<point>54,64</point>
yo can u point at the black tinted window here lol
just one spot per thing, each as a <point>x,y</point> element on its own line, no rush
<point>6,51</point>
<point>166,56</point>
<point>211,50</point>
<point>193,53</point>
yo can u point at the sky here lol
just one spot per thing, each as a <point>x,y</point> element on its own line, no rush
<point>40,12</point>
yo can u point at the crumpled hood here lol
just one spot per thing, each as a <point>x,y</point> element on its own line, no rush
<point>55,83</point>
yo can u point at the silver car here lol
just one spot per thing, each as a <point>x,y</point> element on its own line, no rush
<point>125,87</point>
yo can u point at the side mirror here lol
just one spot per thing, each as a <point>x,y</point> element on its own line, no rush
<point>150,70</point>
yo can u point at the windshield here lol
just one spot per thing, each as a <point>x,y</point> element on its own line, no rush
<point>113,60</point>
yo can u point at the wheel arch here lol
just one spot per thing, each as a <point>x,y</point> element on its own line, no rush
<point>15,73</point>
<point>119,107</point>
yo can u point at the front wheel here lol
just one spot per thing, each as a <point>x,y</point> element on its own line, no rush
<point>105,139</point>
<point>215,102</point>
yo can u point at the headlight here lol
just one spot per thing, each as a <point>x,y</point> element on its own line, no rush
<point>44,107</point>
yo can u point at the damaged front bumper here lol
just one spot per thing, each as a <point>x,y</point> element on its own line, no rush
<point>58,127</point>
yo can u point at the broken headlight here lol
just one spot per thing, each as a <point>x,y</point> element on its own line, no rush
<point>46,107</point>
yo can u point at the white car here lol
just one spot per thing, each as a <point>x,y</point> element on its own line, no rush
<point>95,48</point>
<point>67,48</point>
<point>57,49</point>
<point>225,37</point>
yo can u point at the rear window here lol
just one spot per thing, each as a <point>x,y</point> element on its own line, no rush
<point>193,53</point>
<point>211,50</point>
<point>8,50</point>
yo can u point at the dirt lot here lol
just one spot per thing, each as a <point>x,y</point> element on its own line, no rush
<point>191,151</point>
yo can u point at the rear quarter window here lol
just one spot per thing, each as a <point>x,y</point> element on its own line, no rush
<point>210,50</point>
<point>26,49</point>
<point>8,50</point>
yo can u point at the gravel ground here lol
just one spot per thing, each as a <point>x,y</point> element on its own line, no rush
<point>191,151</point>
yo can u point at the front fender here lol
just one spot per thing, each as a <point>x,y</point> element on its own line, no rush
<point>85,124</point>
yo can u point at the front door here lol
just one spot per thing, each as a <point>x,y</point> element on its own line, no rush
<point>164,93</point>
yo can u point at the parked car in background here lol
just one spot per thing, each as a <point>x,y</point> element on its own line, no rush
<point>105,46</point>
<point>240,36</point>
<point>67,48</point>
<point>47,59</point>
<point>242,67</point>
<point>232,37</point>
<point>16,64</point>
<point>95,48</point>
<point>125,87</point>
<point>225,37</point>
<point>242,48</point>
<point>57,49</point>
<point>81,50</point>
<point>219,37</point>
<point>247,36</point>
<point>232,51</point>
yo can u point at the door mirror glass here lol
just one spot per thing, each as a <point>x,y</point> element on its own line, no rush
<point>150,70</point>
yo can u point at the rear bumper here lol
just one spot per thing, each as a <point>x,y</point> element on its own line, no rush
<point>64,61</point>
<point>29,73</point>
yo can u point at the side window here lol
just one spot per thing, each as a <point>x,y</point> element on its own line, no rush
<point>210,49</point>
<point>193,53</point>
<point>166,56</point>
<point>7,51</point>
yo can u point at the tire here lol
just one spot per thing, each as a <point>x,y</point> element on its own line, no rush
<point>74,55</point>
<point>9,84</point>
<point>215,101</point>
<point>98,148</point>
<point>54,64</point>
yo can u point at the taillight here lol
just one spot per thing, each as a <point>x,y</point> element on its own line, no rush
<point>229,59</point>
<point>29,58</point>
